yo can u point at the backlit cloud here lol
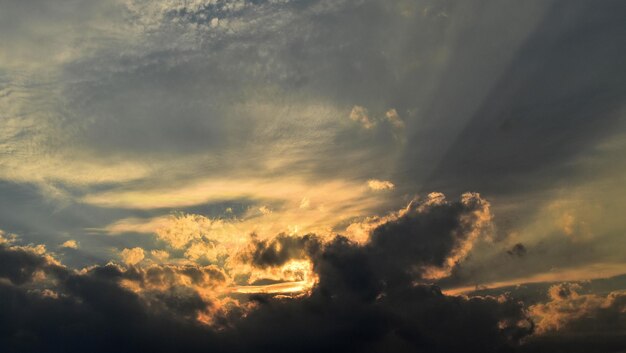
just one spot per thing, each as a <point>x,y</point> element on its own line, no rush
<point>132,256</point>
<point>361,116</point>
<point>570,310</point>
<point>287,274</point>
<point>70,244</point>
<point>376,184</point>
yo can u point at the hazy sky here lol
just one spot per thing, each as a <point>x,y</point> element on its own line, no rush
<point>309,175</point>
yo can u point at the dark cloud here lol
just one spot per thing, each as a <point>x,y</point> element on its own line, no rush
<point>91,311</point>
<point>428,233</point>
<point>517,250</point>
<point>431,233</point>
<point>278,250</point>
<point>575,321</point>
<point>590,314</point>
<point>19,265</point>
<point>365,300</point>
<point>415,318</point>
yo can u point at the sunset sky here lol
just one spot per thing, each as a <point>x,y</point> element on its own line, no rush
<point>312,176</point>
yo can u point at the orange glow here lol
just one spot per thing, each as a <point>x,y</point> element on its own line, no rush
<point>594,271</point>
<point>296,276</point>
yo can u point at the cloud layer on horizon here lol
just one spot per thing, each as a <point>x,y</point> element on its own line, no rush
<point>360,301</point>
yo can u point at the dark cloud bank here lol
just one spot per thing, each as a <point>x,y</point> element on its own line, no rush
<point>368,299</point>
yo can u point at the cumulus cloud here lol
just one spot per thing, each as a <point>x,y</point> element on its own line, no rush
<point>6,238</point>
<point>22,264</point>
<point>576,320</point>
<point>447,232</point>
<point>200,237</point>
<point>571,311</point>
<point>265,210</point>
<point>361,116</point>
<point>206,250</point>
<point>282,248</point>
<point>93,309</point>
<point>377,185</point>
<point>423,241</point>
<point>132,256</point>
<point>369,290</point>
<point>181,230</point>
<point>160,255</point>
<point>363,296</point>
<point>393,117</point>
<point>70,244</point>
<point>518,250</point>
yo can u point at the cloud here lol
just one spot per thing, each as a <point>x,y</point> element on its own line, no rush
<point>577,320</point>
<point>265,210</point>
<point>92,310</point>
<point>120,112</point>
<point>393,117</point>
<point>377,185</point>
<point>282,248</point>
<point>184,229</point>
<point>363,296</point>
<point>331,205</point>
<point>160,255</point>
<point>361,116</point>
<point>433,235</point>
<point>568,310</point>
<point>574,273</point>
<point>517,250</point>
<point>132,256</point>
<point>205,250</point>
<point>331,192</point>
<point>88,121</point>
<point>70,244</point>
<point>24,264</point>
<point>368,292</point>
<point>213,126</point>
<point>200,237</point>
<point>6,238</point>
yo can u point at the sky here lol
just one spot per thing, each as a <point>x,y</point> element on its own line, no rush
<point>312,176</point>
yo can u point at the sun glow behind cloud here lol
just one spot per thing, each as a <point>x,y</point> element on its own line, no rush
<point>328,204</point>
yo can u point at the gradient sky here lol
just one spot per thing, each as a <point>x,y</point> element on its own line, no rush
<point>240,171</point>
